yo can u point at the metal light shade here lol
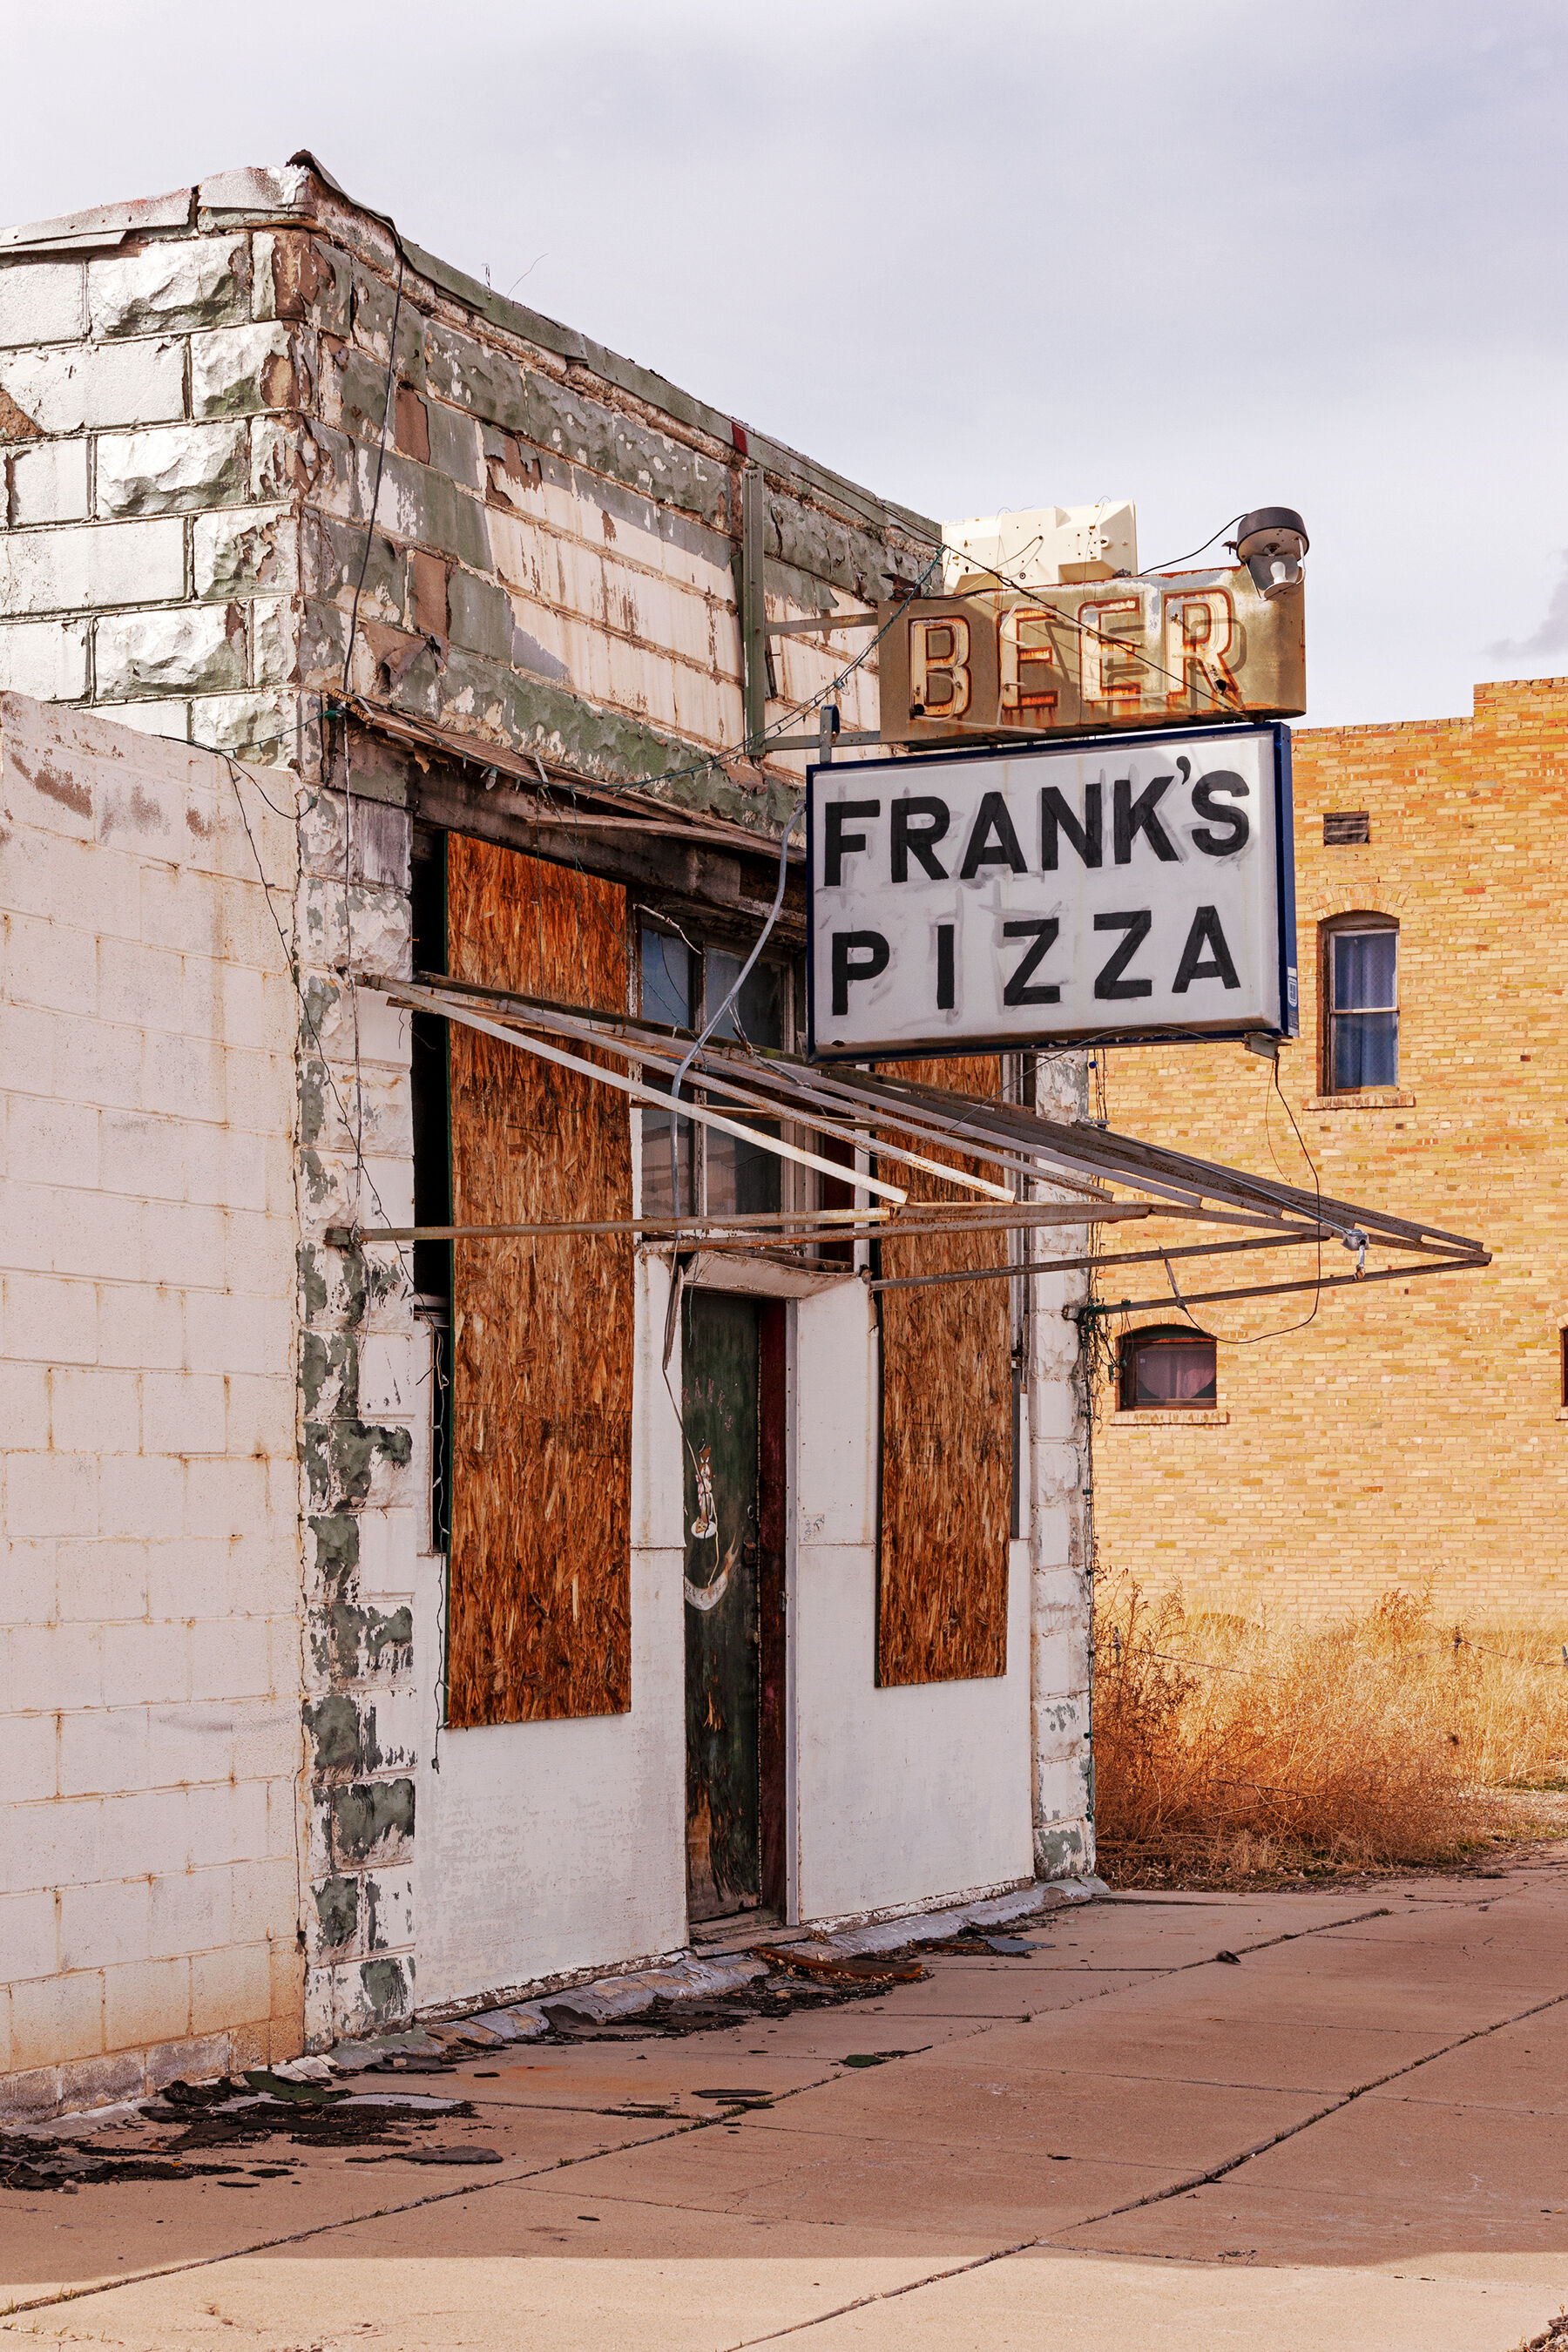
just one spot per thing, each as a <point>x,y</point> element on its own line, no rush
<point>1271,542</point>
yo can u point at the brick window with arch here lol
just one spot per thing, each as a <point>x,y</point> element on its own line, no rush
<point>1359,969</point>
<point>1167,1367</point>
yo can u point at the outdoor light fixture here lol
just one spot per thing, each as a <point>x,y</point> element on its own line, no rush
<point>1271,542</point>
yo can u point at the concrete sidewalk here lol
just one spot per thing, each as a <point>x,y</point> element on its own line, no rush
<point>1355,2135</point>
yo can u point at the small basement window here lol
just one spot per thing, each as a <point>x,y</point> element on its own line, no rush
<point>1168,1366</point>
<point>1360,993</point>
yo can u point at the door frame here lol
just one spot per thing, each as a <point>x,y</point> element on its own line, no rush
<point>777,1352</point>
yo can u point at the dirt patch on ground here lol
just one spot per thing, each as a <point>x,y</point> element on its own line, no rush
<point>1521,1824</point>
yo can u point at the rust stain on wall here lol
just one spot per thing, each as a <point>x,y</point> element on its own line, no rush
<point>540,1608</point>
<point>946,1471</point>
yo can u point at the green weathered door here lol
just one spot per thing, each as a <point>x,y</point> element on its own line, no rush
<point>720,1369</point>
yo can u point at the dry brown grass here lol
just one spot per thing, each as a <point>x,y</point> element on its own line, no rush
<point>1227,1751</point>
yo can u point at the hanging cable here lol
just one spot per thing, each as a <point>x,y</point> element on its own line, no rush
<point>714,1018</point>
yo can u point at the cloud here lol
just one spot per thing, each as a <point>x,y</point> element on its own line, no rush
<point>1550,638</point>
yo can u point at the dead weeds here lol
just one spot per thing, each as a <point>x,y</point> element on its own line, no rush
<point>1231,1751</point>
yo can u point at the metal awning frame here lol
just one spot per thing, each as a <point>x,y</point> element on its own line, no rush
<point>864,1110</point>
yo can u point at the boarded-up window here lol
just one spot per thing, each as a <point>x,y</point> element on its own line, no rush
<point>542,1358</point>
<point>947,1415</point>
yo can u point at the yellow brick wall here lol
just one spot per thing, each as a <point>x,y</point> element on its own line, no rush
<point>1410,1433</point>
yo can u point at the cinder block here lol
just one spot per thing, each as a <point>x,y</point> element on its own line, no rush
<point>332,556</point>
<point>297,276</point>
<point>49,1321</point>
<point>42,302</point>
<point>258,1254</point>
<point>28,1935</point>
<point>398,1725</point>
<point>244,551</point>
<point>223,1167</point>
<point>283,458</point>
<point>31,1744</point>
<point>185,1075</point>
<point>57,1844</point>
<point>98,384</point>
<point>272,652</point>
<point>25,1411</point>
<point>93,1411</point>
<point>149,1831</point>
<point>190,1911</point>
<point>88,2082</point>
<point>104,1925</point>
<point>182,1413</point>
<point>224,1334</point>
<point>390,1365</point>
<point>257,1018</point>
<point>191,1746</point>
<point>268,1741</point>
<point>259,1415</point>
<point>28,1594</point>
<point>136,1327</point>
<point>88,565</point>
<point>49,484</point>
<point>224,1498</point>
<point>139,1495</point>
<point>194,2058</point>
<point>171,468</point>
<point>231,1660</point>
<point>168,718</point>
<point>139,1153</point>
<point>261,729</point>
<point>230,1987</point>
<point>146,2000</point>
<point>52,1494</point>
<point>185,282</point>
<point>267,1901</point>
<point>55,2019</point>
<point>102,1582</point>
<point>179,1582</point>
<point>197,649</point>
<point>241,371</point>
<point>50,1138</point>
<point>229,1822</point>
<point>52,964</point>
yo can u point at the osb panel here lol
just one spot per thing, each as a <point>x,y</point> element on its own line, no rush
<point>541,1379</point>
<point>947,1438</point>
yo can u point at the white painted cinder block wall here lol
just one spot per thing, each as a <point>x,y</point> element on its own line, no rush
<point>150,1604</point>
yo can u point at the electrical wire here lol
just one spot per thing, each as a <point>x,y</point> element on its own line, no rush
<point>1257,1338</point>
<point>1148,570</point>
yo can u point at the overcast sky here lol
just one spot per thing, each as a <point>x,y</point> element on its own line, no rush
<point>975,253</point>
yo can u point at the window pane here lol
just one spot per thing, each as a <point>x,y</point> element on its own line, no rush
<point>666,996</point>
<point>1174,1371</point>
<point>1366,1050</point>
<point>658,1199</point>
<point>665,979</point>
<point>742,1179</point>
<point>1364,972</point>
<point>757,1013</point>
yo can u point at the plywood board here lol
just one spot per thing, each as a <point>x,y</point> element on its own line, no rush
<point>542,1357</point>
<point>947,1418</point>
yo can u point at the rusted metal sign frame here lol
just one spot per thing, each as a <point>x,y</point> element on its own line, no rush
<point>904,773</point>
<point>1137,652</point>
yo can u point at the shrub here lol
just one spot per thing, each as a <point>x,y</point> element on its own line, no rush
<point>1228,1748</point>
